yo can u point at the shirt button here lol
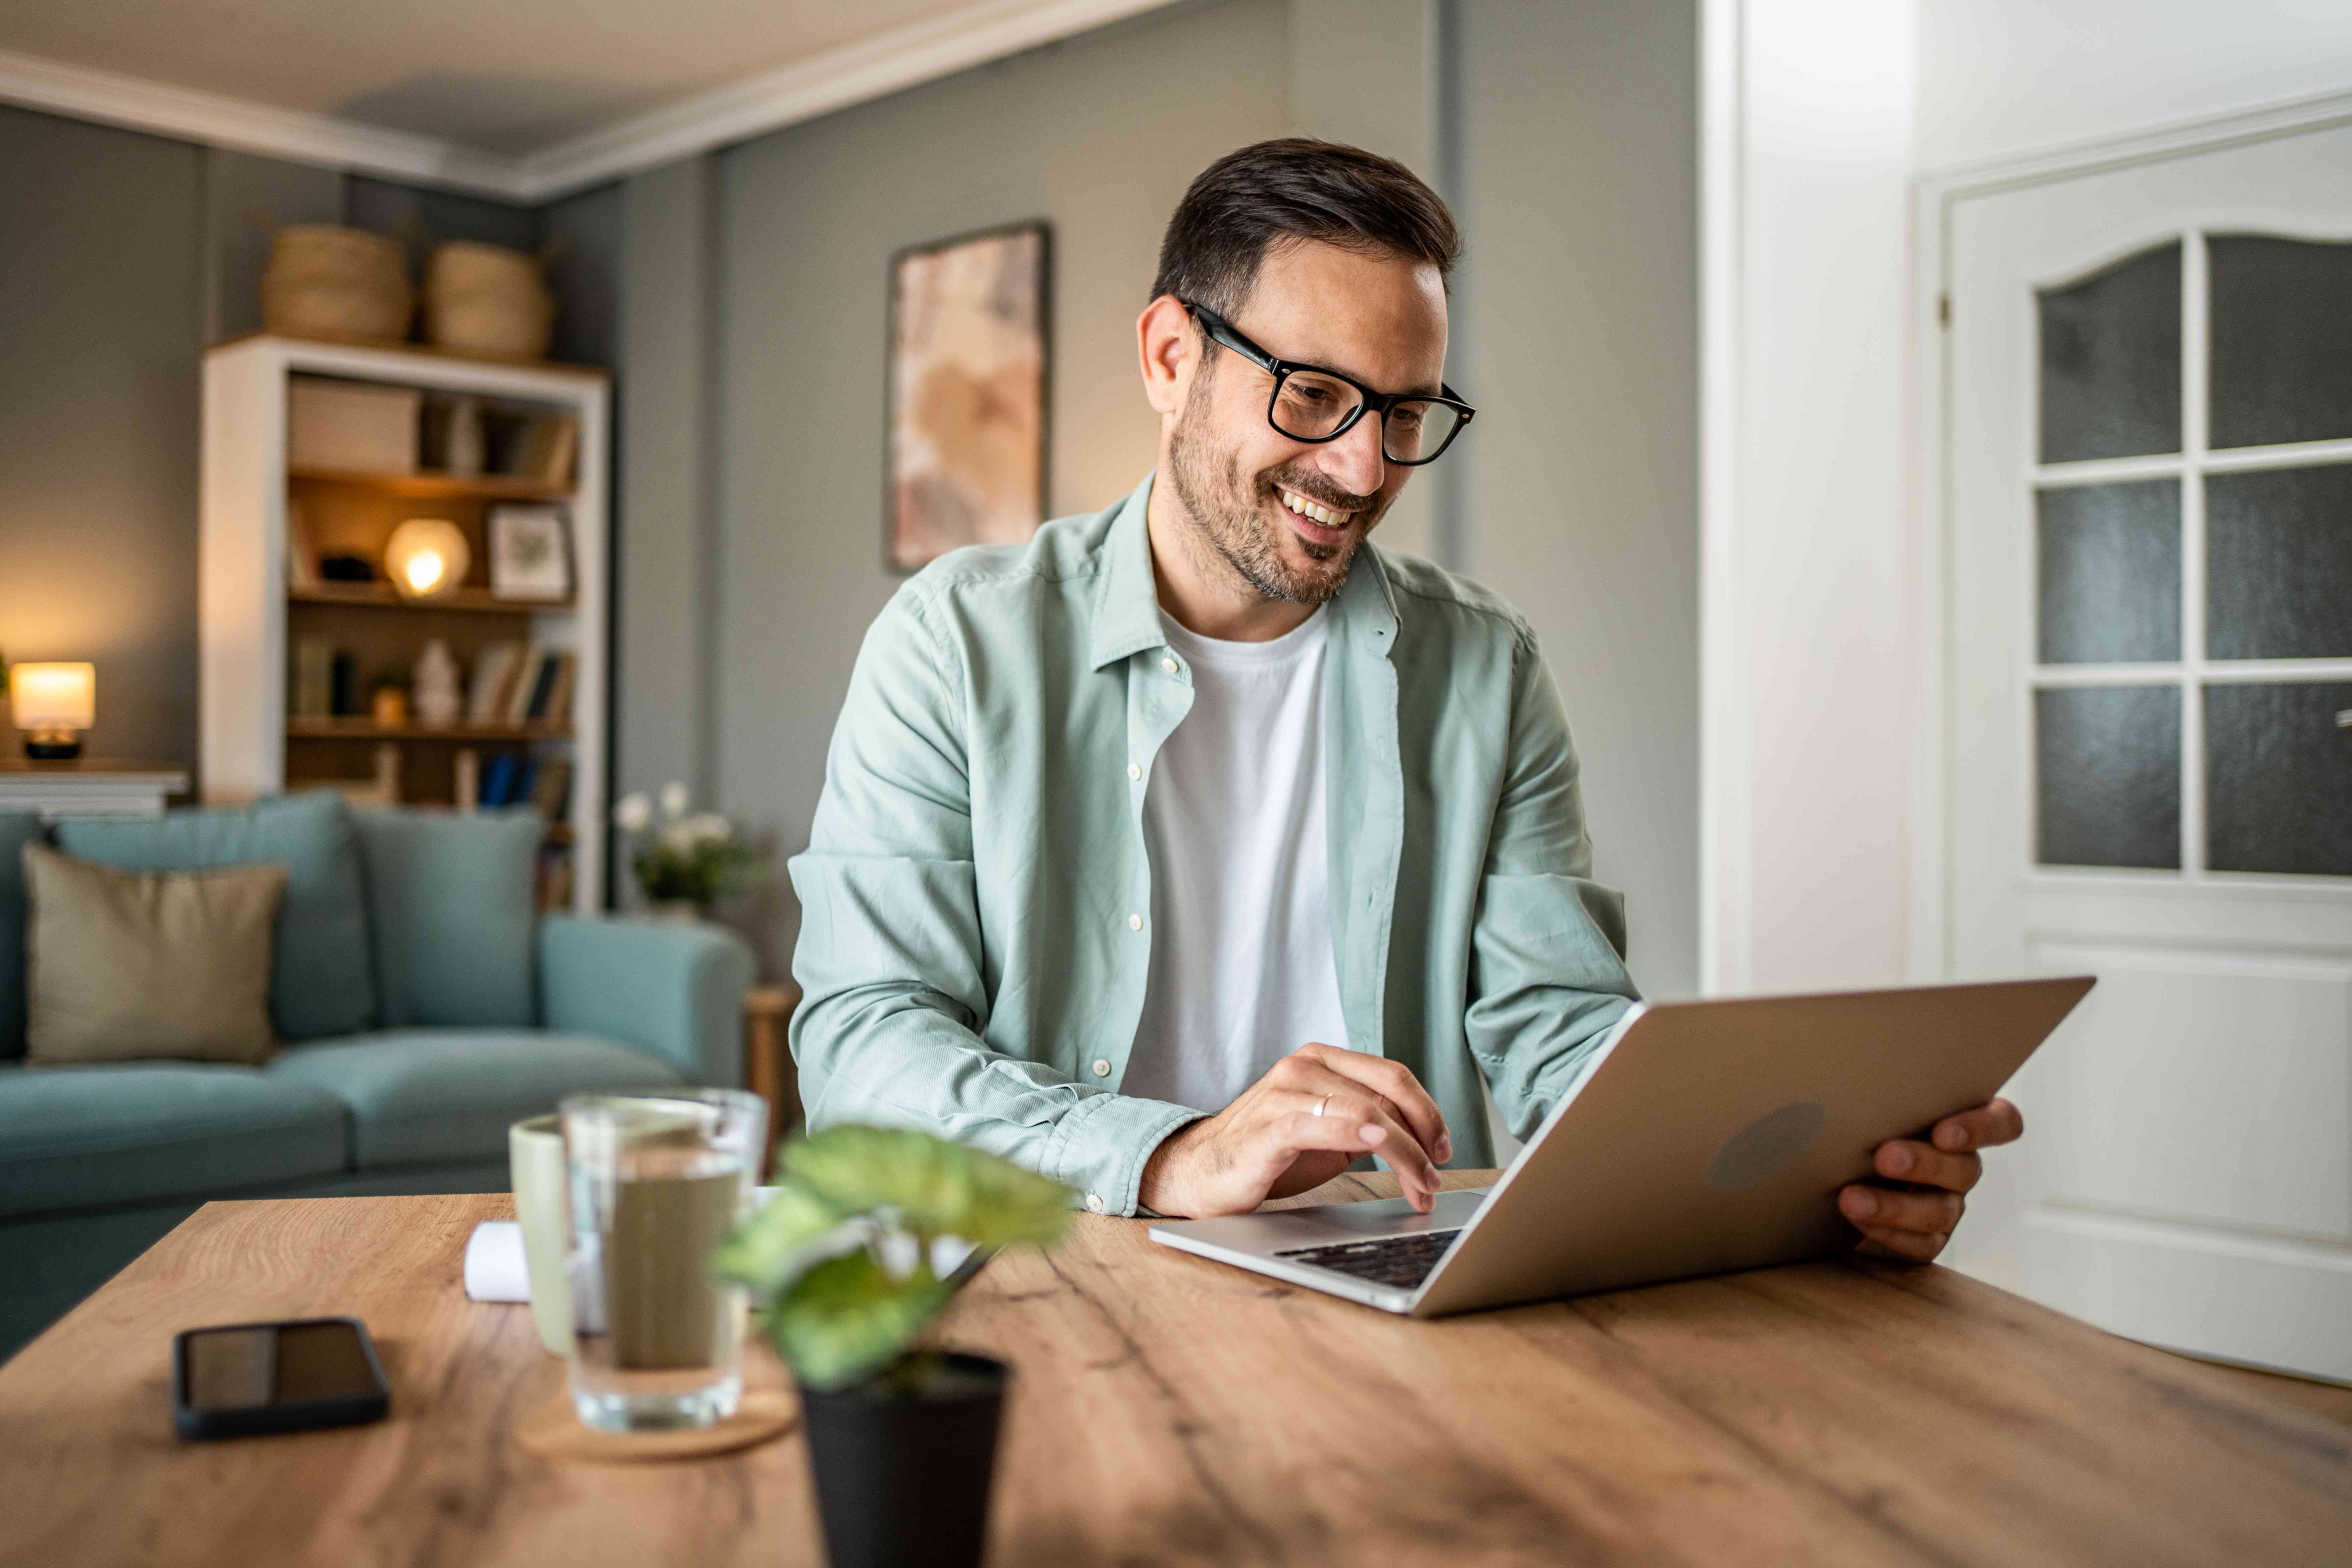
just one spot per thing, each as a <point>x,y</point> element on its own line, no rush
<point>1135,922</point>
<point>1170,665</point>
<point>1135,770</point>
<point>1094,1203</point>
<point>1102,1067</point>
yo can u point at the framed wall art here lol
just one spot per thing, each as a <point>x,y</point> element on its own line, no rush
<point>964,458</point>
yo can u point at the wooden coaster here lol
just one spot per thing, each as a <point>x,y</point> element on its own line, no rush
<point>553,1431</point>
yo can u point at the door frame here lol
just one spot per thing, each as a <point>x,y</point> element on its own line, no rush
<point>1936,195</point>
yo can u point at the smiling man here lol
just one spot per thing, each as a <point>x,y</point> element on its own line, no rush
<point>1201,847</point>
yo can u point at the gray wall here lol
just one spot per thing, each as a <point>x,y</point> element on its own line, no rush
<point>1099,136</point>
<point>753,349</point>
<point>98,309</point>
<point>1579,167</point>
<point>122,256</point>
<point>741,296</point>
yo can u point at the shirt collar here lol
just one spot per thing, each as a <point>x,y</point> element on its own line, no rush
<point>1127,602</point>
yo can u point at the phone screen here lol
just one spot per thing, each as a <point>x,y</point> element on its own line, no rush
<point>240,1368</point>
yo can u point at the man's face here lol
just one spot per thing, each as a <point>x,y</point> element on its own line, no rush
<point>1378,320</point>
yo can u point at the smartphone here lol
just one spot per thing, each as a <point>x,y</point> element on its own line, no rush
<point>243,1380</point>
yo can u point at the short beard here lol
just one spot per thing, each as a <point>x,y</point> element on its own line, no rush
<point>1230,521</point>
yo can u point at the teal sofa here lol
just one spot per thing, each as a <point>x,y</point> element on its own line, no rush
<point>423,1004</point>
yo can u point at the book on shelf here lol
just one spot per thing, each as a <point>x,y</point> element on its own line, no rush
<point>551,792</point>
<point>465,779</point>
<point>497,779</point>
<point>313,693</point>
<point>541,692</point>
<point>301,555</point>
<point>545,449</point>
<point>494,676</point>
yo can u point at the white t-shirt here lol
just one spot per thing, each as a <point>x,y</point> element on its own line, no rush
<point>1242,968</point>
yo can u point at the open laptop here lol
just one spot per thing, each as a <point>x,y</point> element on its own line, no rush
<point>1704,1136</point>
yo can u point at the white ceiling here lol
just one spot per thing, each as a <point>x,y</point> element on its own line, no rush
<point>524,97</point>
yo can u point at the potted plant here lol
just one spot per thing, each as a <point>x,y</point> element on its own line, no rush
<point>870,1233</point>
<point>684,863</point>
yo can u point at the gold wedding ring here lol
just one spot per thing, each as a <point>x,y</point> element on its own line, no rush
<point>1321,1103</point>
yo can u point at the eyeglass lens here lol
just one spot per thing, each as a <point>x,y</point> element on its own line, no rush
<point>1310,406</point>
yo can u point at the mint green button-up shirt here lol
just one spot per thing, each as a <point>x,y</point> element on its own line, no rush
<point>976,894</point>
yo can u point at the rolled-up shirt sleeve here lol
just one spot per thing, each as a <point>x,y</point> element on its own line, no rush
<point>1549,980</point>
<point>891,960</point>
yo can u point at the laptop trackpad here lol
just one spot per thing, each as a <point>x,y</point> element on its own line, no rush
<point>1391,1216</point>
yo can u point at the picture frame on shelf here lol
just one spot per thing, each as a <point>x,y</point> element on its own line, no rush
<point>966,400</point>
<point>530,555</point>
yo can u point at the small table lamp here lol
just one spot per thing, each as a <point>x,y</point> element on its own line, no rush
<point>53,704</point>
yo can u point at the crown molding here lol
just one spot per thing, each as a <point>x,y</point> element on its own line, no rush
<point>868,69</point>
<point>2203,134</point>
<point>220,121</point>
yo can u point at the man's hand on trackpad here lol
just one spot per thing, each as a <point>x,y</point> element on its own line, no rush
<point>1913,1217</point>
<point>1316,1113</point>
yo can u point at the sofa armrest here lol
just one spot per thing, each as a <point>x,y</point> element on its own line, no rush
<point>674,990</point>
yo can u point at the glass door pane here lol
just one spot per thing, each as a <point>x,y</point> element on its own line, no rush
<point>2111,360</point>
<point>2278,778</point>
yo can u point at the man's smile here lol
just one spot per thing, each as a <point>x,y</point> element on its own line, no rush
<point>1319,523</point>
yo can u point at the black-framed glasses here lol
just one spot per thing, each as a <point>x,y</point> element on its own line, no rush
<point>1314,405</point>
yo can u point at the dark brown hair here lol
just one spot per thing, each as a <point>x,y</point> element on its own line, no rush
<point>1291,190</point>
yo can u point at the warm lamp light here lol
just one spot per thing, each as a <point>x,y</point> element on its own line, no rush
<point>426,557</point>
<point>53,704</point>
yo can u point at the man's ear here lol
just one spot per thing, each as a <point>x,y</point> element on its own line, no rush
<point>1170,351</point>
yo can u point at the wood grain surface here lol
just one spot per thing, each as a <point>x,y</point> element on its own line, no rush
<point>1168,1409</point>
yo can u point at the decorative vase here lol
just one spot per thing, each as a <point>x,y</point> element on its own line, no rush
<point>436,700</point>
<point>903,1478</point>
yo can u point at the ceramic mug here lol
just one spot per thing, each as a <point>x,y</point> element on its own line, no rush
<point>535,1161</point>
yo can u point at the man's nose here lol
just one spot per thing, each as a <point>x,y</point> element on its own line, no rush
<point>1353,462</point>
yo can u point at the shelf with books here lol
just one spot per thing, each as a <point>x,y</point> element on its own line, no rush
<point>315,455</point>
<point>383,596</point>
<point>427,485</point>
<point>361,728</point>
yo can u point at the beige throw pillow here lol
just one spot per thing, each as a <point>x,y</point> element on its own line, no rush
<point>128,964</point>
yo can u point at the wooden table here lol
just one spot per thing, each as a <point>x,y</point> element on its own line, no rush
<point>1172,1410</point>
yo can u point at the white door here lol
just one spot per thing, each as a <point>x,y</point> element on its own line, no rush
<point>2150,733</point>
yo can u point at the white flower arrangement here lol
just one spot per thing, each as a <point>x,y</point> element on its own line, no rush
<point>681,857</point>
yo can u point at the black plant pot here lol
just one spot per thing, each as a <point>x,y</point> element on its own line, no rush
<point>902,1477</point>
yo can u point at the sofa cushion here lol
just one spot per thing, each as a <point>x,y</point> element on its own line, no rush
<point>17,827</point>
<point>453,910</point>
<point>320,979</point>
<point>133,965</point>
<point>418,1095</point>
<point>74,1137</point>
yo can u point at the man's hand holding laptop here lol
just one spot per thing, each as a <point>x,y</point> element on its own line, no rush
<point>1912,1220</point>
<point>1321,1107</point>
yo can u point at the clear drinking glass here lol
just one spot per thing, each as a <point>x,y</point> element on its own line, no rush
<point>656,1182</point>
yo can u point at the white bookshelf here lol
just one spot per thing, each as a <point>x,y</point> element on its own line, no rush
<point>246,608</point>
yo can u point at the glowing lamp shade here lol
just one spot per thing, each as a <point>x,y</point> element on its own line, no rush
<point>426,557</point>
<point>53,704</point>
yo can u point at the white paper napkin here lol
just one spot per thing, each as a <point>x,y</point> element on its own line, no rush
<point>495,1270</point>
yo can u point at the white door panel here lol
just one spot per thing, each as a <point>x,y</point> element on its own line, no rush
<point>2150,429</point>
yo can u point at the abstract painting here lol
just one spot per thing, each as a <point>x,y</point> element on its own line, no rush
<point>966,394</point>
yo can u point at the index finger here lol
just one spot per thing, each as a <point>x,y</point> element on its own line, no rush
<point>1994,1122</point>
<point>1394,1082</point>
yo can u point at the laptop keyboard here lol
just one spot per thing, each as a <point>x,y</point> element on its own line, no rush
<point>1403,1261</point>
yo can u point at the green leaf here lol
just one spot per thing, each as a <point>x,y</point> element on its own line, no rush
<point>848,1319</point>
<point>928,1186</point>
<point>772,1245</point>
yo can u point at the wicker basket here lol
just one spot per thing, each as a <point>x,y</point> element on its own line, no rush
<point>487,300</point>
<point>325,282</point>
